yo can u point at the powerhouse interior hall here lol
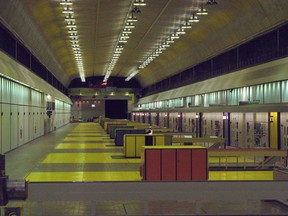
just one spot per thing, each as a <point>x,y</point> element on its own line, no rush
<point>143,107</point>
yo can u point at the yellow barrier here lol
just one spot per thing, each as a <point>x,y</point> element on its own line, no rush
<point>134,142</point>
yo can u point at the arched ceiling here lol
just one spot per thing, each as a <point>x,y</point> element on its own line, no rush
<point>41,26</point>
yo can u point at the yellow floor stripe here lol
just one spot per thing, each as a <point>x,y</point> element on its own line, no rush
<point>88,158</point>
<point>82,176</point>
<point>84,146</point>
<point>240,175</point>
<point>83,134</point>
<point>83,139</point>
<point>135,176</point>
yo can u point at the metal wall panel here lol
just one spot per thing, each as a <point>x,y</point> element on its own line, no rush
<point>271,92</point>
<point>36,122</point>
<point>284,130</point>
<point>173,121</point>
<point>237,129</point>
<point>163,119</point>
<point>14,126</point>
<point>26,124</point>
<point>154,119</point>
<point>31,123</point>
<point>41,119</point>
<point>6,131</point>
<point>1,114</point>
<point>212,124</point>
<point>284,93</point>
<point>20,125</point>
<point>5,91</point>
<point>13,93</point>
<point>189,123</point>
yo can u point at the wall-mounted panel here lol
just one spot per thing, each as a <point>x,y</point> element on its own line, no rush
<point>271,92</point>
<point>20,131</point>
<point>189,123</point>
<point>284,130</point>
<point>284,92</point>
<point>6,131</point>
<point>14,126</point>
<point>237,130</point>
<point>36,124</point>
<point>13,93</point>
<point>42,114</point>
<point>212,124</point>
<point>1,114</point>
<point>5,91</point>
<point>173,121</point>
<point>26,124</point>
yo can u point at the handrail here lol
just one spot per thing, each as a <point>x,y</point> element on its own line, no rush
<point>247,152</point>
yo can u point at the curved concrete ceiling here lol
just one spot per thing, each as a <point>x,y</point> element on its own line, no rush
<point>40,25</point>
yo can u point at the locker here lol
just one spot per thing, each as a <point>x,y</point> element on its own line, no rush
<point>31,123</point>
<point>152,165</point>
<point>183,165</point>
<point>5,133</point>
<point>130,146</point>
<point>138,148</point>
<point>0,122</point>
<point>14,126</point>
<point>168,161</point>
<point>20,125</point>
<point>41,113</point>
<point>140,140</point>
<point>35,123</point>
<point>199,164</point>
<point>26,124</point>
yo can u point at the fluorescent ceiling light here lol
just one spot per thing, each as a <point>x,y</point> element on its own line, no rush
<point>139,3</point>
<point>65,2</point>
<point>193,19</point>
<point>202,11</point>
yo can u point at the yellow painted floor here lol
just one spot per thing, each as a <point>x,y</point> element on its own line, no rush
<point>83,158</point>
<point>89,146</point>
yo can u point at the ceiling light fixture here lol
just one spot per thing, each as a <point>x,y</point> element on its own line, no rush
<point>180,31</point>
<point>129,25</point>
<point>193,19</point>
<point>174,36</point>
<point>67,9</point>
<point>65,2</point>
<point>171,38</point>
<point>139,3</point>
<point>124,35</point>
<point>132,18</point>
<point>186,25</point>
<point>202,11</point>
<point>69,18</point>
